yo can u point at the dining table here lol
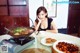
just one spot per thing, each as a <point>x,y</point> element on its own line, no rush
<point>41,35</point>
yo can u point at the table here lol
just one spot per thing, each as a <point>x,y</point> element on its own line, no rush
<point>43,34</point>
<point>57,36</point>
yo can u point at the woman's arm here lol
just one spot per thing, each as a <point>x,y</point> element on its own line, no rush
<point>37,24</point>
<point>53,28</point>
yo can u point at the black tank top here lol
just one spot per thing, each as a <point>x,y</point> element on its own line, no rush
<point>49,25</point>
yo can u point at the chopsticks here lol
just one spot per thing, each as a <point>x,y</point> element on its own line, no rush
<point>37,32</point>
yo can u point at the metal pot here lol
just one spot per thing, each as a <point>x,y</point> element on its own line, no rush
<point>14,32</point>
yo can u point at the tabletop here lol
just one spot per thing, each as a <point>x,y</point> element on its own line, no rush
<point>43,34</point>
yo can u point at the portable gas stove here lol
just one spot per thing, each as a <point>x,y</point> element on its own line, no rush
<point>15,45</point>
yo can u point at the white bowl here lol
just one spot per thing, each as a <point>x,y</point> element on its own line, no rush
<point>57,50</point>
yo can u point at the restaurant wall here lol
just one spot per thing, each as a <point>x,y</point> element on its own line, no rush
<point>62,12</point>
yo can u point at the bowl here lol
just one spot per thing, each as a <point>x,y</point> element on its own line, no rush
<point>65,46</point>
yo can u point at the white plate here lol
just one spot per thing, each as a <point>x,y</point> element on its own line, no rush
<point>54,45</point>
<point>43,41</point>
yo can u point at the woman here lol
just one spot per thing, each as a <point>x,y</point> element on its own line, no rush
<point>44,23</point>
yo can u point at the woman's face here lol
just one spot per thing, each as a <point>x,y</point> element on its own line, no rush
<point>42,15</point>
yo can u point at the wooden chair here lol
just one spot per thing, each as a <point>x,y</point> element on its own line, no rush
<point>79,32</point>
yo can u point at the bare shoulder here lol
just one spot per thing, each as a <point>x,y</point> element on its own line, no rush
<point>52,23</point>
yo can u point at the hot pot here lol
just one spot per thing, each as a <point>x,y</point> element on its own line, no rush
<point>21,35</point>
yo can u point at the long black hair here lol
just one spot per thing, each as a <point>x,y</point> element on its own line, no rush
<point>41,8</point>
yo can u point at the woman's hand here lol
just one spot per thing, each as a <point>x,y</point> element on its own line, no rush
<point>39,20</point>
<point>37,24</point>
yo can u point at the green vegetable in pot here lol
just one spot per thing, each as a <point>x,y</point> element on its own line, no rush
<point>19,30</point>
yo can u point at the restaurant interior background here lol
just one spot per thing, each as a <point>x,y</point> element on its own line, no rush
<point>17,13</point>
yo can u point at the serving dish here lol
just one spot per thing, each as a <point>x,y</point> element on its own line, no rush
<point>65,46</point>
<point>47,41</point>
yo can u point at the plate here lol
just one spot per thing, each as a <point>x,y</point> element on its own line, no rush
<point>43,41</point>
<point>66,41</point>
